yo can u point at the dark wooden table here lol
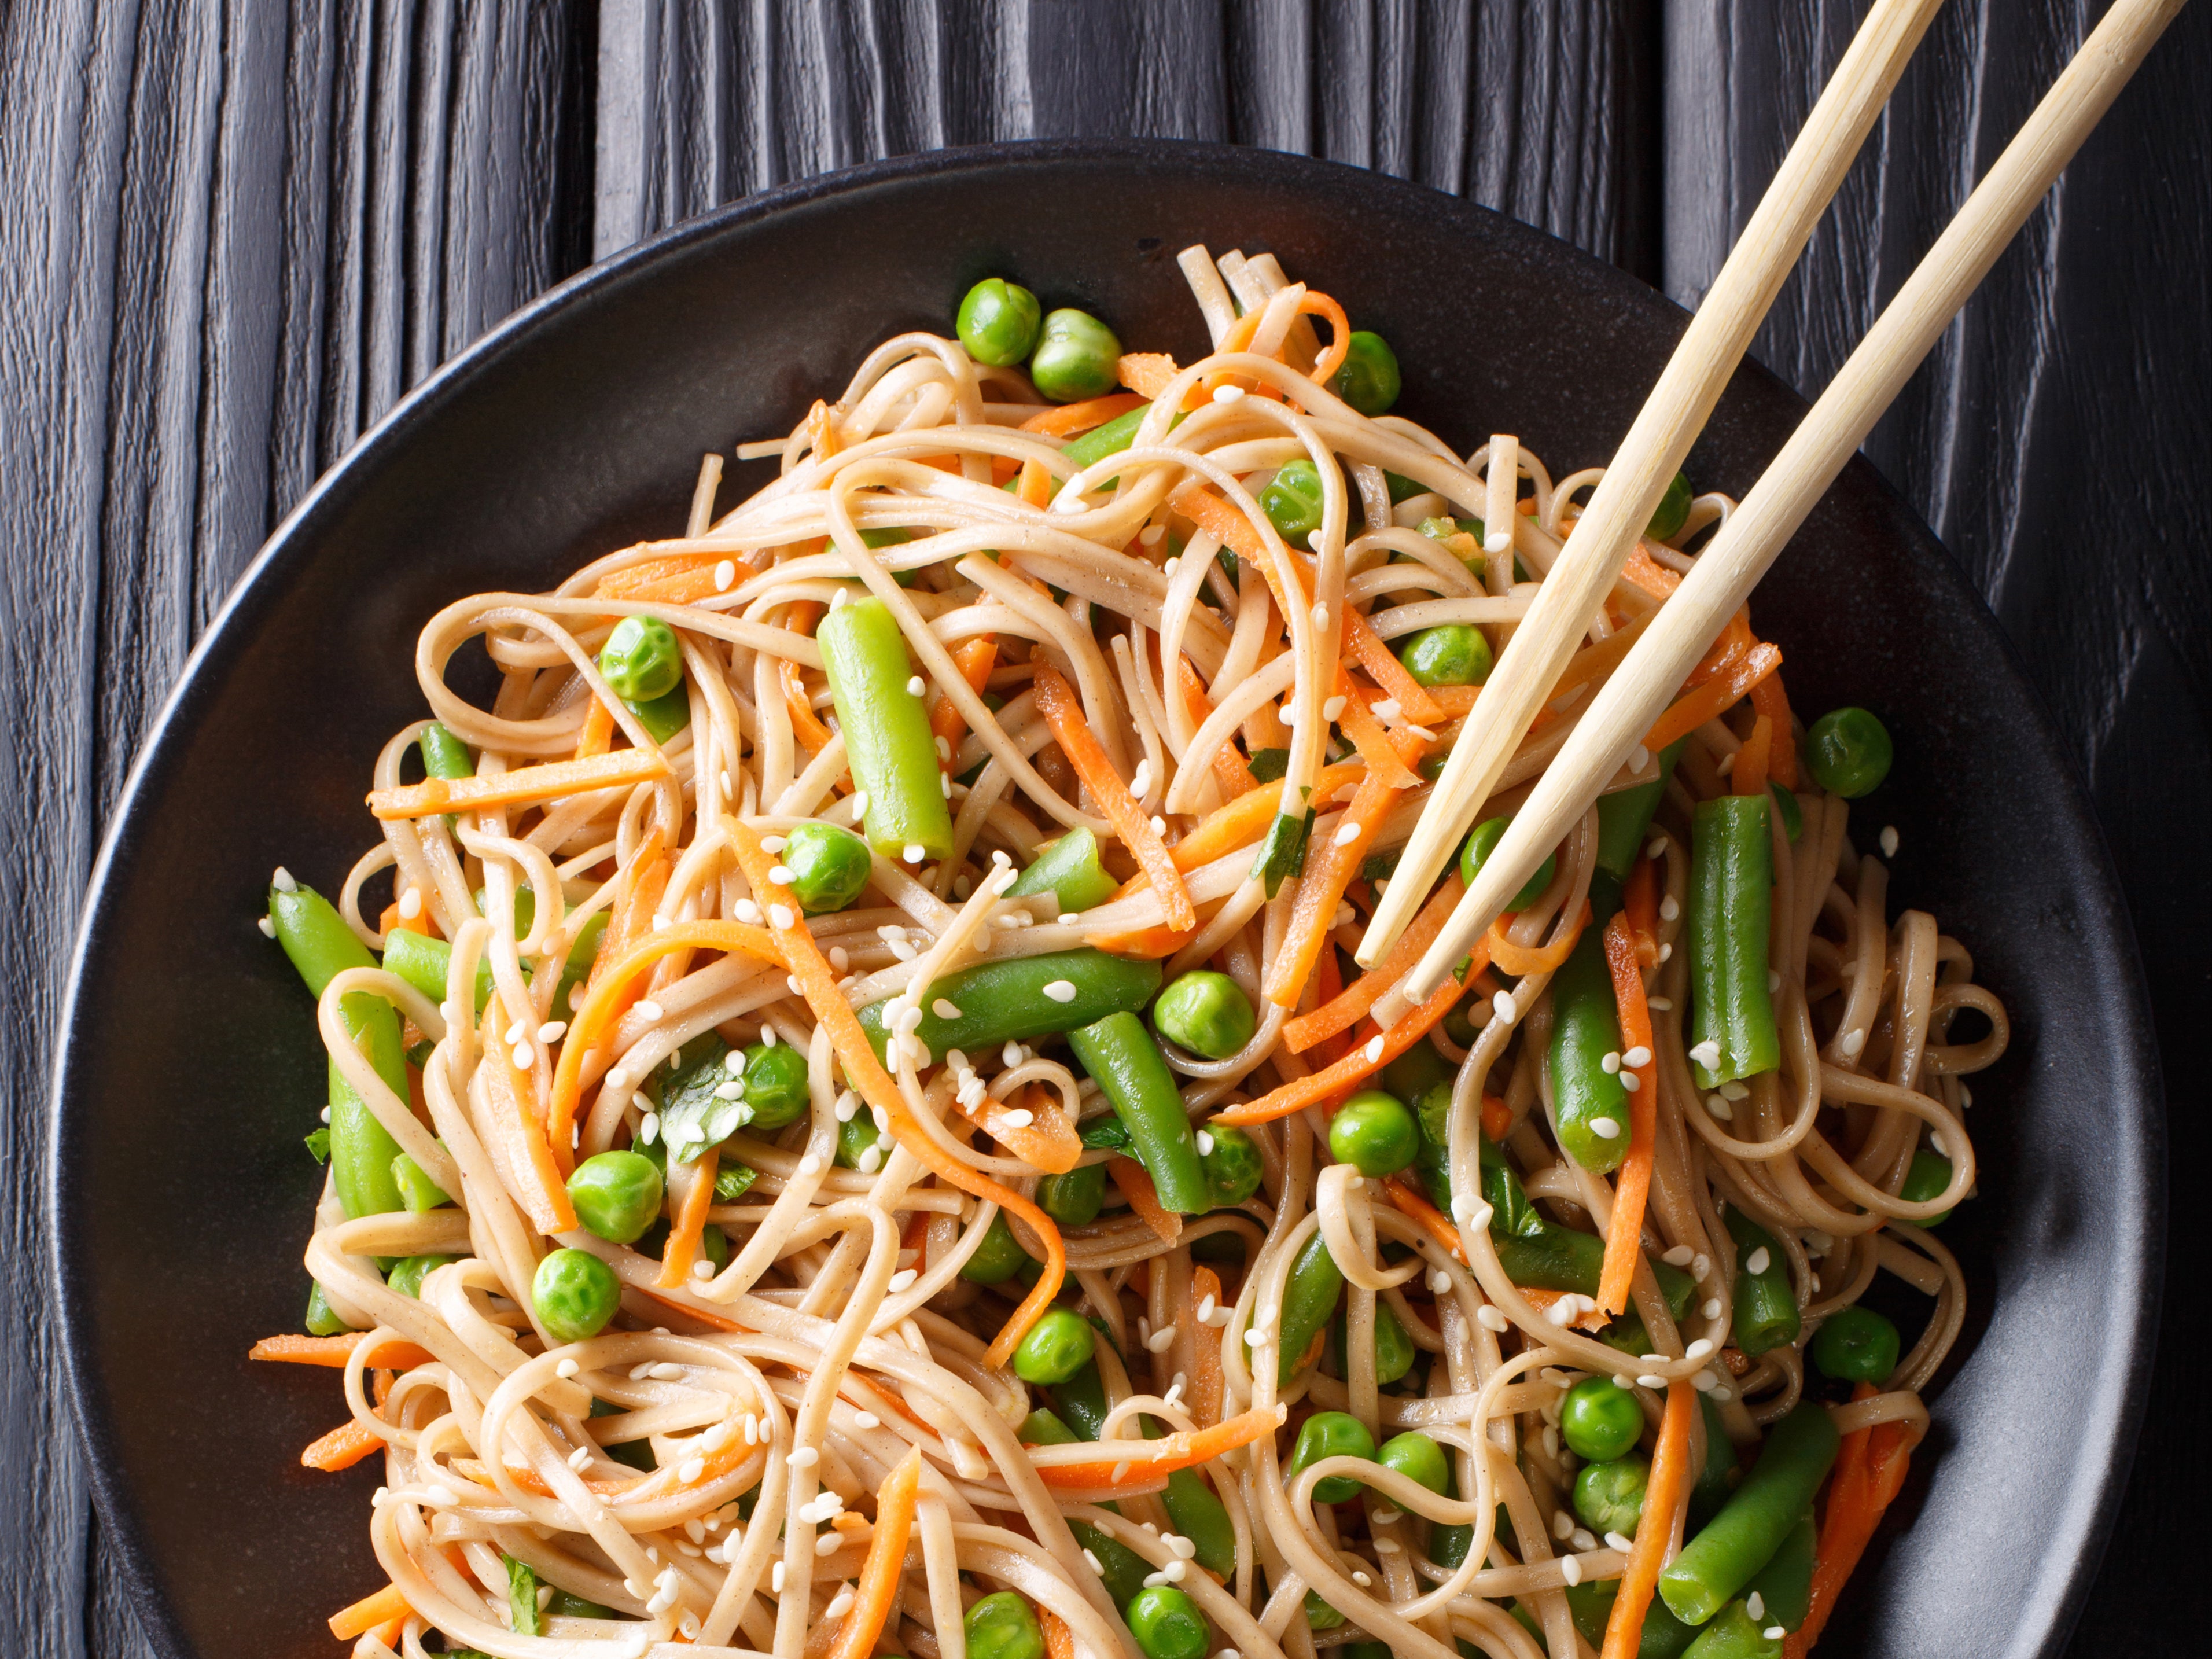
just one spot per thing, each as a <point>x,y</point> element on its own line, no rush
<point>234,235</point>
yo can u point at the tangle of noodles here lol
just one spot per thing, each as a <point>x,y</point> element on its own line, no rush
<point>704,1475</point>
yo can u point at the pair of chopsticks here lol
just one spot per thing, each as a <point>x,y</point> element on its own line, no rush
<point>1629,703</point>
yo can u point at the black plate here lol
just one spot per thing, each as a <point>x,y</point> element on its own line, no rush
<point>189,1067</point>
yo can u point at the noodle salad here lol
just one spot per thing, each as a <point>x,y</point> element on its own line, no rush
<point>858,1132</point>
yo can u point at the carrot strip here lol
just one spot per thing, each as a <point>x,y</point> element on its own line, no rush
<point>388,1635</point>
<point>805,725</point>
<point>688,1231</point>
<point>1540,1299</point>
<point>1412,696</point>
<point>1593,662</point>
<point>1229,770</point>
<point>1328,985</point>
<point>1869,1473</point>
<point>1342,1013</point>
<point>1734,643</point>
<point>821,430</point>
<point>1663,1496</point>
<point>518,1133</point>
<point>1520,959</point>
<point>333,1351</point>
<point>1390,756</point>
<point>1146,373</point>
<point>1246,818</point>
<point>896,1500</point>
<point>527,786</point>
<point>1136,1184</point>
<point>1069,419</point>
<point>947,723</point>
<point>1432,1220</point>
<point>342,1446</point>
<point>1063,711</point>
<point>1749,775</point>
<point>1145,1465</point>
<point>1036,487</point>
<point>1362,1063</point>
<point>1315,304</point>
<point>597,734</point>
<point>1205,1375</point>
<point>370,1612</point>
<point>1771,700</point>
<point>1049,1140</point>
<point>1322,886</point>
<point>1455,699</point>
<point>1146,944</point>
<point>1639,902</point>
<point>1623,1236</point>
<point>629,583</point>
<point>1693,708</point>
<point>1058,1639</point>
<point>818,985</point>
<point>685,587</point>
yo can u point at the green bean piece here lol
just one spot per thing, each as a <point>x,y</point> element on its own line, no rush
<point>1309,1299</point>
<point>1732,1031</point>
<point>416,1190</point>
<point>1481,840</point>
<point>1765,1305</point>
<point>1076,357</point>
<point>1120,1569</point>
<point>641,660</point>
<point>1362,1650</point>
<point>1784,1585</point>
<point>1199,1515</point>
<point>1452,653</point>
<point>1230,1159</point>
<point>444,755</point>
<point>564,1605</point>
<point>1394,1349</point>
<point>425,963</point>
<point>1120,1052</point>
<point>1855,1344</point>
<point>1070,870</point>
<point>1716,1477</point>
<point>888,742</point>
<point>575,1295</point>
<point>1416,1457</point>
<point>1292,502</point>
<point>1074,1197</point>
<point>1609,1496</point>
<point>829,867</point>
<point>1013,1000</point>
<point>522,1598</point>
<point>1002,1626</point>
<point>1042,1428</point>
<point>1206,1012</point>
<point>407,1275</point>
<point>663,716</point>
<point>1599,1420</point>
<point>1928,1174</point>
<point>1111,439</point>
<point>616,1194</point>
<point>1848,752</point>
<point>1623,817</point>
<point>1282,852</point>
<point>1673,511</point>
<point>323,1320</point>
<point>1793,816</point>
<point>1319,1614</point>
<point>1167,1624</point>
<point>1367,378</point>
<point>1591,1102</point>
<point>997,1258</point>
<point>1375,1132</point>
<point>1331,1434</point>
<point>1402,488</point>
<point>997,322</point>
<point>1734,1634</point>
<point>1665,1637</point>
<point>1557,1258</point>
<point>1744,1535</point>
<point>860,1144</point>
<point>321,947</point>
<point>1082,1401</point>
<point>1057,1346</point>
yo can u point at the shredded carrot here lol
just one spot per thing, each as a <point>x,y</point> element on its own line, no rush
<point>821,430</point>
<point>333,1351</point>
<point>1666,1492</point>
<point>1749,775</point>
<point>1036,487</point>
<point>1206,1376</point>
<point>818,984</point>
<point>1390,755</point>
<point>878,1592</point>
<point>597,732</point>
<point>1520,959</point>
<point>1343,1011</point>
<point>1231,771</point>
<point>1145,372</point>
<point>525,786</point>
<point>632,581</point>
<point>1639,902</point>
<point>1624,1237</point>
<point>975,659</point>
<point>1315,304</point>
<point>1412,696</point>
<point>805,725</point>
<point>688,1230</point>
<point>1432,1221</point>
<point>1735,642</point>
<point>1145,944</point>
<point>1245,819</point>
<point>1136,1184</point>
<point>392,921</point>
<point>1058,1639</point>
<point>1135,1466</point>
<point>1328,985</point>
<point>1063,711</point>
<point>517,1133</point>
<point>342,1446</point>
<point>370,1612</point>
<point>1355,1067</point>
<point>1693,708</point>
<point>1592,662</point>
<point>385,1635</point>
<point>685,587</point>
<point>1322,887</point>
<point>1070,419</point>
<point>1540,1299</point>
<point>1047,1140</point>
<point>1868,1473</point>
<point>1771,700</point>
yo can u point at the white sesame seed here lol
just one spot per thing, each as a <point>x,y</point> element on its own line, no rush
<point>1610,1065</point>
<point>1571,1569</point>
<point>666,1371</point>
<point>1651,1381</point>
<point>1758,1260</point>
<point>902,1280</point>
<point>1254,1337</point>
<point>1141,779</point>
<point>1613,1540</point>
<point>1720,1108</point>
<point>1707,1054</point>
<point>783,917</point>
<point>326,1114</point>
<point>1097,1565</point>
<point>1060,990</point>
<point>943,1010</point>
<point>1492,1319</point>
<point>1161,1340</point>
<point>552,1031</point>
<point>1712,1308</point>
<point>1374,1050</point>
<point>869,1160</point>
<point>579,1457</point>
<point>1773,980</point>
<point>1638,1057</point>
<point>1020,1118</point>
<point>1321,616</point>
<point>1361,1578</point>
<point>1606,1128</point>
<point>1660,1004</point>
<point>1503,1005</point>
<point>782,875</point>
<point>775,1578</point>
<point>1701,1265</point>
<point>1227,394</point>
<point>1562,1524</point>
<point>1774,1633</point>
<point>867,1420</point>
<point>1560,1313</point>
<point>806,1458</point>
<point>525,1056</point>
<point>1332,707</point>
<point>411,903</point>
<point>268,928</point>
<point>690,1469</point>
<point>703,1268</point>
<point>1851,1042</point>
<point>913,853</point>
<point>916,686</point>
<point>283,882</point>
<point>1631,1082</point>
<point>1347,832</point>
<point>1386,708</point>
<point>747,911</point>
<point>1699,1349</point>
<point>1889,840</point>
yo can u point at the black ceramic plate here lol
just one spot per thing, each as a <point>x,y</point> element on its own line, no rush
<point>190,1069</point>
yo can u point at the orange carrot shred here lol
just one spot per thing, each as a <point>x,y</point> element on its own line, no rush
<point>1639,902</point>
<point>1771,700</point>
<point>1869,1472</point>
<point>1390,755</point>
<point>1322,886</point>
<point>1432,1220</point>
<point>517,1136</point>
<point>688,1231</point>
<point>1520,959</point>
<point>1136,1184</point>
<point>1314,303</point>
<point>877,1595</point>
<point>1343,1011</point>
<point>1693,708</point>
<point>632,581</point>
<point>1624,1237</point>
<point>1667,1489</point>
<point>525,786</point>
<point>342,1446</point>
<point>975,659</point>
<point>1747,776</point>
<point>1206,1383</point>
<point>1036,487</point>
<point>598,733</point>
<point>1069,419</point>
<point>1063,711</point>
<point>370,1612</point>
<point>1049,1140</point>
<point>1135,1466</point>
<point>1355,1067</point>
<point>333,1351</point>
<point>1231,771</point>
<point>1146,373</point>
<point>1735,642</point>
<point>1058,1638</point>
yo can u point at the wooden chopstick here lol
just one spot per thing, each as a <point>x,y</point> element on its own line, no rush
<point>1638,690</point>
<point>1653,451</point>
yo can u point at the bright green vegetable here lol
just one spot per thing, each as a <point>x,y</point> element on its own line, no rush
<point>1766,1306</point>
<point>1199,1515</point>
<point>407,1275</point>
<point>1716,1477</point>
<point>1002,1002</point>
<point>522,1598</point>
<point>1310,1297</point>
<point>323,1320</point>
<point>1784,1585</point>
<point>1609,1496</point>
<point>641,660</point>
<point>1848,752</point>
<point>1623,817</point>
<point>1481,840</point>
<point>1319,1614</point>
<point>1120,1052</point>
<point>829,866</point>
<point>1734,1635</point>
<point>663,716</point>
<point>1926,1177</point>
<point>1555,1258</point>
<point>616,1194</point>
<point>1591,1102</point>
<point>576,1294</point>
<point>1282,852</point>
<point>1732,1031</point>
<point>1001,1627</point>
<point>1394,1349</point>
<point>997,1258</point>
<point>566,1606</point>
<point>1745,1535</point>
<point>701,1104</point>
<point>1167,1624</point>
<point>1042,1428</point>
<point>1855,1344</point>
<point>1673,511</point>
<point>1077,356</point>
<point>1292,502</point>
<point>1111,439</point>
<point>1057,1346</point>
<point>1073,1199</point>
<point>321,947</point>
<point>888,742</point>
<point>1453,654</point>
<point>1416,1457</point>
<point>860,1143</point>
<point>776,1085</point>
<point>1793,816</point>
<point>416,1190</point>
<point>1232,1165</point>
<point>1665,1637</point>
<point>444,755</point>
<point>1331,1434</point>
<point>1206,1012</point>
<point>1121,1570</point>
<point>425,963</point>
<point>1069,870</point>
<point>997,322</point>
<point>1367,378</point>
<point>1375,1132</point>
<point>1599,1420</point>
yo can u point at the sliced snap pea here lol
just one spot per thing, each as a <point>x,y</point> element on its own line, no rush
<point>1623,817</point>
<point>1310,1297</point>
<point>1120,1052</point>
<point>1731,904</point>
<point>1766,1306</point>
<point>888,742</point>
<point>1011,1002</point>
<point>1069,870</point>
<point>1590,1102</point>
<point>1724,1558</point>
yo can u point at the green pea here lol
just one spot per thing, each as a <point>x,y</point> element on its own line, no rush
<point>1609,1496</point>
<point>1057,1346</point>
<point>1292,501</point>
<point>1482,841</point>
<point>1416,1457</point>
<point>1167,1624</point>
<point>1232,1165</point>
<point>1455,653</point>
<point>1673,511</point>
<point>1001,1627</point>
<point>829,866</point>
<point>1930,1175</point>
<point>1855,1344</point>
<point>576,1294</point>
<point>1849,751</point>
<point>641,660</point>
<point>1599,1420</point>
<point>1367,378</point>
<point>407,1276</point>
<point>1375,1131</point>
<point>997,322</point>
<point>1077,356</point>
<point>1331,1434</point>
<point>775,1086</point>
<point>1206,1012</point>
<point>1394,1349</point>
<point>998,1257</point>
<point>857,1137</point>
<point>1073,1199</point>
<point>1319,1614</point>
<point>616,1194</point>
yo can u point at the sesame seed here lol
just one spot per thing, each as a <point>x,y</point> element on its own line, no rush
<point>1161,1340</point>
<point>1097,1565</point>
<point>1638,1057</point>
<point>1386,708</point>
<point>782,875</point>
<point>1660,1004</point>
<point>283,882</point>
<point>1889,840</point>
<point>268,928</point>
<point>552,1031</point>
<point>1701,1265</point>
<point>1651,1380</point>
<point>1120,1469</point>
<point>1606,1128</point>
<point>810,1164</point>
<point>783,917</point>
<point>690,1469</point>
<point>913,853</point>
<point>1773,980</point>
<point>1712,1308</point>
<point>666,1372</point>
<point>1141,779</point>
<point>1571,1569</point>
<point>869,1160</point>
<point>915,687</point>
<point>1361,1578</point>
<point>1707,1054</point>
<point>1159,824</point>
<point>326,1114</point>
<point>747,911</point>
<point>1720,1108</point>
<point>1374,1050</point>
<point>1613,1540</point>
<point>1610,1065</point>
<point>525,1056</point>
<point>1227,394</point>
<point>776,1579</point>
<point>1774,1632</point>
<point>1699,1349</point>
<point>1020,1118</point>
<point>1703,1382</point>
<point>1321,618</point>
<point>1331,708</point>
<point>1562,1524</point>
<point>411,903</point>
<point>1503,1005</point>
<point>1060,990</point>
<point>902,1280</point>
<point>806,1458</point>
<point>567,1369</point>
<point>1758,1260</point>
<point>1631,1082</point>
<point>1755,1605</point>
<point>867,1420</point>
<point>579,1457</point>
<point>1492,1319</point>
<point>943,1010</point>
<point>1638,758</point>
<point>1347,832</point>
<point>1850,1042</point>
<point>650,1009</point>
